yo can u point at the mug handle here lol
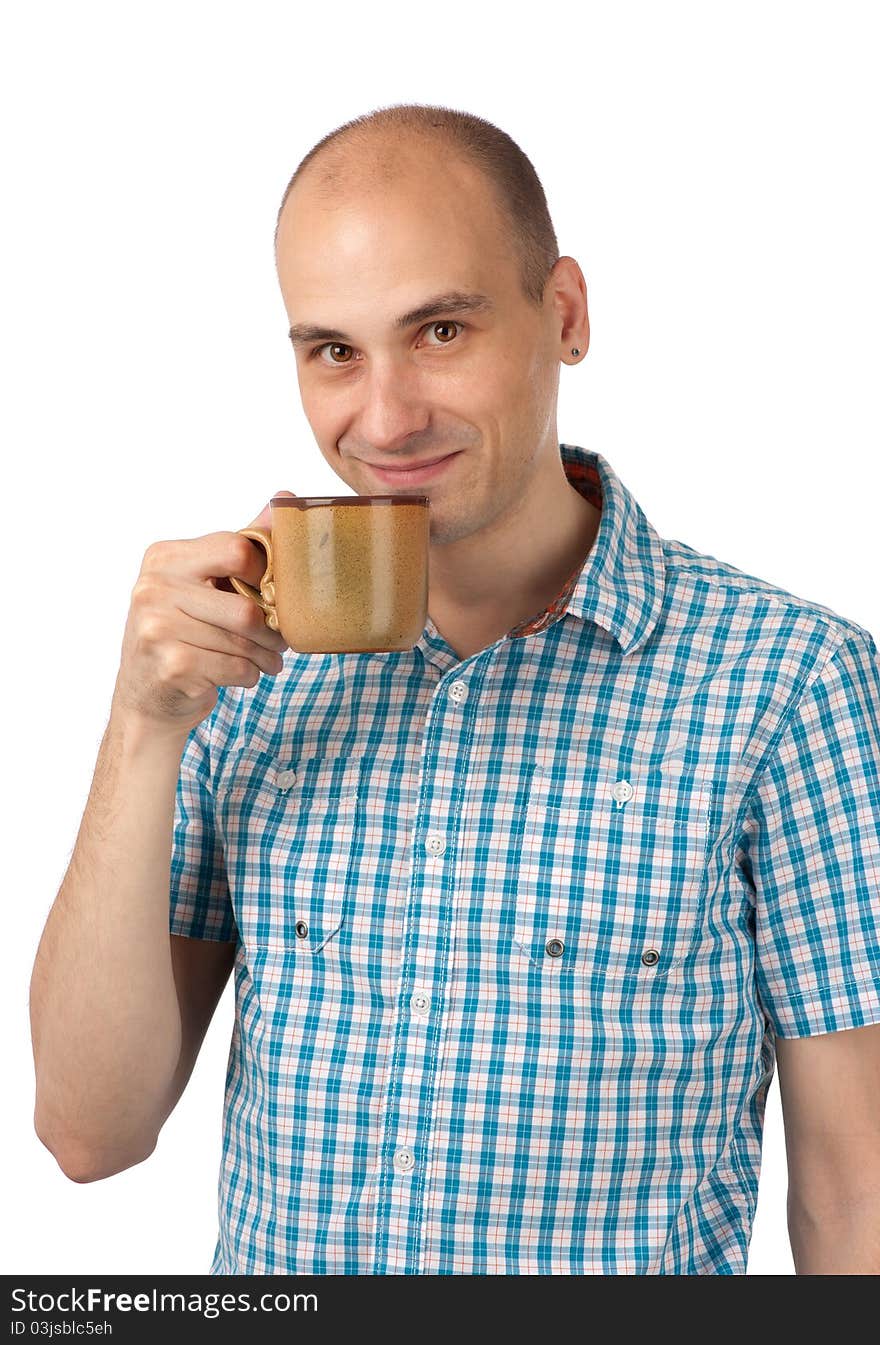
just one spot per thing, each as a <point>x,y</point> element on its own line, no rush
<point>265,597</point>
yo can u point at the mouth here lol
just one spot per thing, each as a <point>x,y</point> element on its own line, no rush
<point>412,476</point>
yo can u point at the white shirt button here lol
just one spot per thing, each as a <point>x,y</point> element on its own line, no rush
<point>404,1160</point>
<point>622,791</point>
<point>435,843</point>
<point>421,1003</point>
<point>284,779</point>
<point>458,692</point>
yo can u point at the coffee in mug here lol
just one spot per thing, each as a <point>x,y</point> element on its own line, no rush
<point>345,574</point>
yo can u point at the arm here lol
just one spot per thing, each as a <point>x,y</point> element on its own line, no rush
<point>119,1006</point>
<point>830,1090</point>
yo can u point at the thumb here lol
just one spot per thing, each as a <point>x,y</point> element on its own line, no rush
<point>264,519</point>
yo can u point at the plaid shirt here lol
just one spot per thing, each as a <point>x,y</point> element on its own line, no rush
<point>514,934</point>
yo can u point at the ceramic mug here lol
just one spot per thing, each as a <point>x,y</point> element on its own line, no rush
<point>344,574</point>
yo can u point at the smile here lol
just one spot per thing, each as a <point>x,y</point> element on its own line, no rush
<point>412,476</point>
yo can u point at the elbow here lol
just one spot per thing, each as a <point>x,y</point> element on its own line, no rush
<point>84,1165</point>
<point>81,1163</point>
<point>79,1166</point>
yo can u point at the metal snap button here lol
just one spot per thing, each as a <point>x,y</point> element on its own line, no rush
<point>650,957</point>
<point>302,929</point>
<point>555,947</point>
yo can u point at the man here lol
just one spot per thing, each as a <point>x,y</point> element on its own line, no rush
<point>521,919</point>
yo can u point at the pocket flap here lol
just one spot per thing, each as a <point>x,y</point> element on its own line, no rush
<point>288,826</point>
<point>612,871</point>
<point>315,922</point>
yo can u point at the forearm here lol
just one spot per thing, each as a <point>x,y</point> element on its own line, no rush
<point>105,1018</point>
<point>842,1239</point>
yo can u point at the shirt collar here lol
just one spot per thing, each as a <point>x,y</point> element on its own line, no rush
<point>621,583</point>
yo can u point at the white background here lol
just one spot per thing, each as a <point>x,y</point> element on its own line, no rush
<point>710,165</point>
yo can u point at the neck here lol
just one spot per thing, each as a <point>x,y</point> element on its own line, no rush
<point>484,584</point>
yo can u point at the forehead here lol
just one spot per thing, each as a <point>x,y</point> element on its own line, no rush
<point>436,226</point>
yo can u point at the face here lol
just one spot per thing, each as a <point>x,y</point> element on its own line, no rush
<point>481,384</point>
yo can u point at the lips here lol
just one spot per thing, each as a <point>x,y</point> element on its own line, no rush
<point>424,473</point>
<point>409,466</point>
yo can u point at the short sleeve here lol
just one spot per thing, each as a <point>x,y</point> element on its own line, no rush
<point>815,854</point>
<point>201,907</point>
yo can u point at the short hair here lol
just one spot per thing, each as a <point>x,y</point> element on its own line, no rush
<point>517,188</point>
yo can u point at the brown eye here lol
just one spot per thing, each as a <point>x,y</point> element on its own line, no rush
<point>333,349</point>
<point>439,328</point>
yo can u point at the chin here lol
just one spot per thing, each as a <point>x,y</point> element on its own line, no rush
<point>445,531</point>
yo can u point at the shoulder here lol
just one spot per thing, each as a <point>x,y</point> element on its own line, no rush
<point>733,594</point>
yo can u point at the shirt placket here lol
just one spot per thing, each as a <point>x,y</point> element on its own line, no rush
<point>405,1151</point>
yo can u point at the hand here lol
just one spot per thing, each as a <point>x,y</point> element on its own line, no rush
<point>188,632</point>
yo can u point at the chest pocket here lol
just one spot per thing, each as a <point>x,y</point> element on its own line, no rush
<point>289,830</point>
<point>612,874</point>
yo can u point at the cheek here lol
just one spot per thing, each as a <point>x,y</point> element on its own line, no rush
<point>487,391</point>
<point>516,378</point>
<point>540,373</point>
<point>320,410</point>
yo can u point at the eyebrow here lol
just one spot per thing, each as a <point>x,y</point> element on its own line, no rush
<point>455,301</point>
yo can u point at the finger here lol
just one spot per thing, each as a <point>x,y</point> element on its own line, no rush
<point>231,612</point>
<point>214,556</point>
<point>225,670</point>
<point>253,567</point>
<point>214,639</point>
<point>253,575</point>
<point>264,519</point>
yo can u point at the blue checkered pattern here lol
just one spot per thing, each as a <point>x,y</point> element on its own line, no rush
<point>514,934</point>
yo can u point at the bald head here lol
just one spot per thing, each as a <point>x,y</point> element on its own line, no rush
<point>406,143</point>
<point>388,167</point>
<point>382,163</point>
<point>372,159</point>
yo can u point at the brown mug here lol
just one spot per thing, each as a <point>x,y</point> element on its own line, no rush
<point>345,574</point>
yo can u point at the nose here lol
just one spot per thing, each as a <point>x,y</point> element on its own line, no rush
<point>393,408</point>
